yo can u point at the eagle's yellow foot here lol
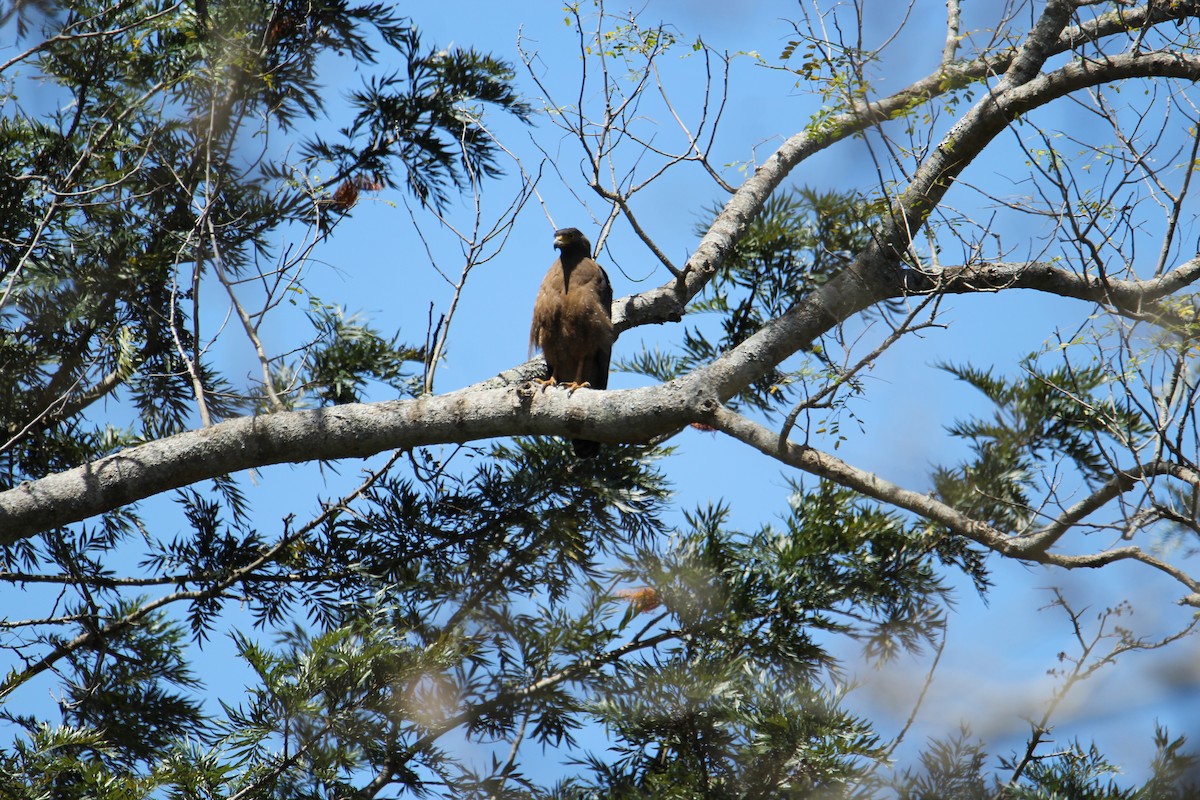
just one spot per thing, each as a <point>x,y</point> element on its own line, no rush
<point>573,385</point>
<point>546,382</point>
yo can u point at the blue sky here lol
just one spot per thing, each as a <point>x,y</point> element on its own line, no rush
<point>998,653</point>
<point>995,666</point>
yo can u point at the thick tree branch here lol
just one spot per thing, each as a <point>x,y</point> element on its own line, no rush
<point>346,431</point>
<point>1034,51</point>
<point>875,274</point>
<point>358,430</point>
<point>666,303</point>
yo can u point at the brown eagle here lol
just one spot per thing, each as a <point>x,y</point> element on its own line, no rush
<point>572,321</point>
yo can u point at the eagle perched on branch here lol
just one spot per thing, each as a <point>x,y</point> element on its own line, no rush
<point>572,321</point>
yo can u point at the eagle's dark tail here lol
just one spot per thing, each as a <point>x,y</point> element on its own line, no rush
<point>585,448</point>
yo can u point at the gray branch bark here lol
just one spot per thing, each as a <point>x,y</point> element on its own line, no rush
<point>494,409</point>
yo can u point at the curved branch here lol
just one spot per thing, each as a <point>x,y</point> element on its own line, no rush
<point>1134,298</point>
<point>666,303</point>
<point>824,465</point>
<point>874,274</point>
<point>1044,539</point>
<point>361,430</point>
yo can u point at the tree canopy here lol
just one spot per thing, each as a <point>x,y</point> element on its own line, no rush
<point>471,611</point>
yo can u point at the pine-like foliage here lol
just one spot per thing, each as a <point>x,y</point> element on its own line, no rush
<point>159,170</point>
<point>464,622</point>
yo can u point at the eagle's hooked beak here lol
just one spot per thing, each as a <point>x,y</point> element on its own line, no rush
<point>559,241</point>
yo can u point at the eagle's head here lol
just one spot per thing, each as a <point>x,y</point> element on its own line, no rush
<point>571,241</point>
